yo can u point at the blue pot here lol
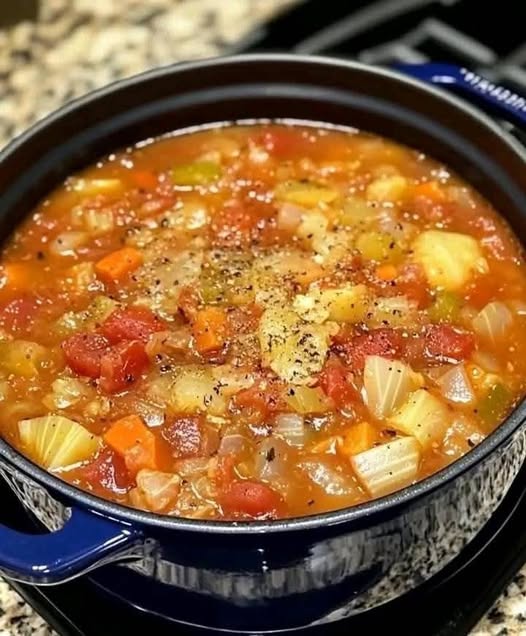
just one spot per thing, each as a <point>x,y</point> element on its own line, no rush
<point>263,576</point>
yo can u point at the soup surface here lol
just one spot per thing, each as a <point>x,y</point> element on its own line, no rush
<point>257,322</point>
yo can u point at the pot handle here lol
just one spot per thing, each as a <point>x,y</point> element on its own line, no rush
<point>500,100</point>
<point>86,541</point>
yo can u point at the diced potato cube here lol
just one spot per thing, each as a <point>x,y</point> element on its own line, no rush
<point>449,259</point>
<point>423,416</point>
<point>387,188</point>
<point>293,349</point>
<point>343,304</point>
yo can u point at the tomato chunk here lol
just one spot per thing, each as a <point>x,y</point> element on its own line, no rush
<point>184,435</point>
<point>387,343</point>
<point>131,323</point>
<point>335,384</point>
<point>108,470</point>
<point>251,498</point>
<point>446,344</point>
<point>121,365</point>
<point>284,143</point>
<point>84,352</point>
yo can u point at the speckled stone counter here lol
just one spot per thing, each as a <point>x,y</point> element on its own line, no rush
<point>77,45</point>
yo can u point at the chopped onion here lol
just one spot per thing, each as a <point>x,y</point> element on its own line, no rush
<point>387,383</point>
<point>328,478</point>
<point>289,217</point>
<point>98,221</point>
<point>66,243</point>
<point>455,385</point>
<point>192,466</point>
<point>493,321</point>
<point>271,460</point>
<point>66,393</point>
<point>152,414</point>
<point>233,444</point>
<point>486,360</point>
<point>518,306</point>
<point>160,490</point>
<point>291,428</point>
<point>388,467</point>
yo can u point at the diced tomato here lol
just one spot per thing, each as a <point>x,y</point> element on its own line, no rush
<point>145,179</point>
<point>108,470</point>
<point>131,323</point>
<point>250,498</point>
<point>18,314</point>
<point>184,435</point>
<point>84,352</point>
<point>387,343</point>
<point>121,365</point>
<point>232,225</point>
<point>412,282</point>
<point>445,344</point>
<point>335,384</point>
<point>284,143</point>
<point>265,398</point>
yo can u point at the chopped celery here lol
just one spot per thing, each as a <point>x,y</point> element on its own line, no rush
<point>446,307</point>
<point>305,194</point>
<point>494,405</point>
<point>196,173</point>
<point>379,246</point>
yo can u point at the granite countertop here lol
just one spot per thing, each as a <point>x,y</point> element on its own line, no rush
<point>76,45</point>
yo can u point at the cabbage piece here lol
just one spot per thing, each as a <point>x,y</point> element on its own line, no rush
<point>324,474</point>
<point>387,384</point>
<point>493,322</point>
<point>449,259</point>
<point>389,467</point>
<point>195,389</point>
<point>304,399</point>
<point>57,442</point>
<point>392,311</point>
<point>423,416</point>
<point>157,491</point>
<point>290,427</point>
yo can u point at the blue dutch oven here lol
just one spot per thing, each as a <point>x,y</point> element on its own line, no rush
<point>264,576</point>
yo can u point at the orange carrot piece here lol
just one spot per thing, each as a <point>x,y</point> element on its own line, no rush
<point>17,276</point>
<point>386,272</point>
<point>144,179</point>
<point>359,438</point>
<point>209,329</point>
<point>141,448</point>
<point>430,190</point>
<point>117,265</point>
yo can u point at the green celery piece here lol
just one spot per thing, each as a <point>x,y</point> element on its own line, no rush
<point>196,173</point>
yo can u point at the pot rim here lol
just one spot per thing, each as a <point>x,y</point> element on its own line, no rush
<point>367,510</point>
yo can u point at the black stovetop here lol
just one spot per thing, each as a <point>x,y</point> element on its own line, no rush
<point>489,38</point>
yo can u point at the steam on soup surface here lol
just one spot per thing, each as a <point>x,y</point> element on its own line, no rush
<point>259,321</point>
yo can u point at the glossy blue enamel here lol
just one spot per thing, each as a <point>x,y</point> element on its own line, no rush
<point>501,100</point>
<point>84,540</point>
<point>264,576</point>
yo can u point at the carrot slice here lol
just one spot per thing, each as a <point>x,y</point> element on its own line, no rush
<point>430,190</point>
<point>115,266</point>
<point>359,438</point>
<point>144,179</point>
<point>209,329</point>
<point>141,448</point>
<point>19,276</point>
<point>386,272</point>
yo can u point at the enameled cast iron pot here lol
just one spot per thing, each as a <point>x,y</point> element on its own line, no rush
<point>260,576</point>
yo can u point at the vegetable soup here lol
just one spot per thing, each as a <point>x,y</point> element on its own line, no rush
<point>259,321</point>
